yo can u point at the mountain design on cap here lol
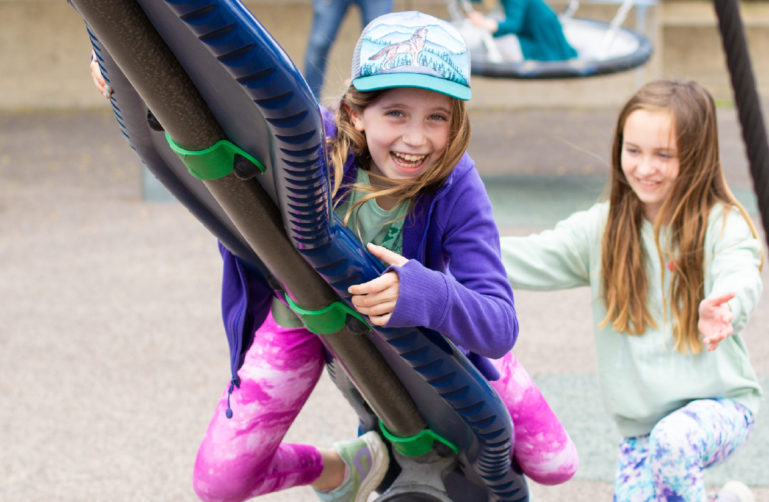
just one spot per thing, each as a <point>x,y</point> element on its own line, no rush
<point>421,50</point>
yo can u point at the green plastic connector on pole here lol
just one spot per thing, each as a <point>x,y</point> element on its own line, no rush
<point>416,445</point>
<point>327,320</point>
<point>214,162</point>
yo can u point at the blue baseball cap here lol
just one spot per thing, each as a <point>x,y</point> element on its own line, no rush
<point>412,49</point>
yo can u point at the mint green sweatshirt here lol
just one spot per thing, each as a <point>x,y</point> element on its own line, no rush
<point>643,378</point>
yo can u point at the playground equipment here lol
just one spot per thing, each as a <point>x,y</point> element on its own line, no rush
<point>220,114</point>
<point>602,47</point>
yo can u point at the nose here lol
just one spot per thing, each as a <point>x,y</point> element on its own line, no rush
<point>415,134</point>
<point>646,165</point>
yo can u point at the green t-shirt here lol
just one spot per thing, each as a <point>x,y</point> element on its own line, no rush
<point>370,223</point>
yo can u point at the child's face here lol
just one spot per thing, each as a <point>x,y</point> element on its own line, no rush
<point>407,130</point>
<point>650,157</point>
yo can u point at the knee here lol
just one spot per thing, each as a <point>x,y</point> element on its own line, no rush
<point>671,443</point>
<point>204,488</point>
<point>211,487</point>
<point>672,436</point>
<point>221,479</point>
<point>548,464</point>
<point>557,469</point>
<point>552,478</point>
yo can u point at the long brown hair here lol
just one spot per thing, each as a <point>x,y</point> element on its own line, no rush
<point>349,139</point>
<point>700,184</point>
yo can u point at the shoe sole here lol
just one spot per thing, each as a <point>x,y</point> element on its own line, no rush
<point>377,473</point>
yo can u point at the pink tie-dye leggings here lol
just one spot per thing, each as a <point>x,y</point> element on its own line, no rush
<point>244,456</point>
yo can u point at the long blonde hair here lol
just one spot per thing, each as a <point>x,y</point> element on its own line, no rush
<point>349,139</point>
<point>700,184</point>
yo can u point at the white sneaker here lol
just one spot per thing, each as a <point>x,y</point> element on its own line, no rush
<point>734,491</point>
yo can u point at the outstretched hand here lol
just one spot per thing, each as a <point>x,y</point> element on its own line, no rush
<point>483,22</point>
<point>377,297</point>
<point>715,322</point>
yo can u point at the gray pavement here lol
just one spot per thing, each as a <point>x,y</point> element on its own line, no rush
<point>112,356</point>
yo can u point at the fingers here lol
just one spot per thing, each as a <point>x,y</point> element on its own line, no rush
<point>387,256</point>
<point>375,305</point>
<point>376,298</point>
<point>720,299</point>
<point>717,335</point>
<point>374,286</point>
<point>712,342</point>
<point>98,79</point>
<point>379,320</point>
<point>378,307</point>
<point>379,315</point>
<point>715,322</point>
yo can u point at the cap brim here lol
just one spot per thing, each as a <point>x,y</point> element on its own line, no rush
<point>390,80</point>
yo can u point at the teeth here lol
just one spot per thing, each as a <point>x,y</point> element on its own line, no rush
<point>409,158</point>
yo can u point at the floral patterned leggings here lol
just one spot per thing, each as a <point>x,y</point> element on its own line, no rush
<point>667,463</point>
<point>245,456</point>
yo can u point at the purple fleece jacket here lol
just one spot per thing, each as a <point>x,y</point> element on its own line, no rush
<point>454,281</point>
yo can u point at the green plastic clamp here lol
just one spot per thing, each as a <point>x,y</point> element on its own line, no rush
<point>416,445</point>
<point>327,320</point>
<point>214,162</point>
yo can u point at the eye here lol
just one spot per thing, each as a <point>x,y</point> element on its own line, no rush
<point>631,150</point>
<point>440,117</point>
<point>665,155</point>
<point>394,113</point>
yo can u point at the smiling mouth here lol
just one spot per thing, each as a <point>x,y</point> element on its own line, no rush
<point>648,184</point>
<point>408,160</point>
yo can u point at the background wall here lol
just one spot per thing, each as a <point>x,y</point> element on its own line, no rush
<point>44,53</point>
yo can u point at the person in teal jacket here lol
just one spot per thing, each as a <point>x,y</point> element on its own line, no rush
<point>535,25</point>
<point>673,265</point>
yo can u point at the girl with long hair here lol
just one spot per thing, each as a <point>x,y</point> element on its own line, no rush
<point>673,263</point>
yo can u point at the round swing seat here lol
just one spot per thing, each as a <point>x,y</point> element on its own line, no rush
<point>601,50</point>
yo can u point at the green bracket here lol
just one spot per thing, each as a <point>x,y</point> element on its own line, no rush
<point>214,162</point>
<point>416,445</point>
<point>327,320</point>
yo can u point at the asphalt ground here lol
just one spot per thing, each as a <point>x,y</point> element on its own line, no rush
<point>112,354</point>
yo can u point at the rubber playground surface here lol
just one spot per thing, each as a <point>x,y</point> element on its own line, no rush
<point>112,355</point>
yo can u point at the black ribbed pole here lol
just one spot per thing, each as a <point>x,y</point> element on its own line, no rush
<point>156,75</point>
<point>747,101</point>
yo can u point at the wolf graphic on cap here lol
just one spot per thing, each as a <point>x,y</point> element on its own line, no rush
<point>413,47</point>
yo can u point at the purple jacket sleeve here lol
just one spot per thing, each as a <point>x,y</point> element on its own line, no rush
<point>472,304</point>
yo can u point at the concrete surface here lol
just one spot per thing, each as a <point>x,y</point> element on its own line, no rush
<point>112,356</point>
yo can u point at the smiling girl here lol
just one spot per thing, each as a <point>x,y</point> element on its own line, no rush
<point>403,182</point>
<point>673,263</point>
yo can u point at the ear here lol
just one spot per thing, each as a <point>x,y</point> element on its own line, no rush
<point>355,118</point>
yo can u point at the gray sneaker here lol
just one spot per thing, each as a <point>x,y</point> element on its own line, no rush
<point>366,459</point>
